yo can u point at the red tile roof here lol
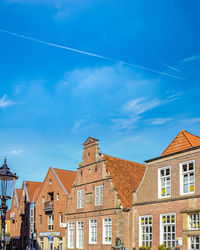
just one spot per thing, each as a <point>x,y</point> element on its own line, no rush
<point>33,189</point>
<point>66,177</point>
<point>19,192</point>
<point>126,176</point>
<point>184,140</point>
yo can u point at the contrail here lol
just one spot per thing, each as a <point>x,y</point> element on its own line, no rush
<point>170,67</point>
<point>89,54</point>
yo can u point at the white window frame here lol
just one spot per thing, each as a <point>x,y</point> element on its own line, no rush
<point>193,221</point>
<point>79,234</point>
<point>145,225</point>
<point>58,196</point>
<point>162,226</point>
<point>160,196</point>
<point>99,195</point>
<point>181,177</point>
<point>104,241</point>
<point>189,242</point>
<point>80,198</point>
<point>61,217</point>
<point>71,234</point>
<point>50,222</point>
<point>93,231</point>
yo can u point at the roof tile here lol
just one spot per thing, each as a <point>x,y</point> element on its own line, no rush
<point>184,140</point>
<point>126,176</point>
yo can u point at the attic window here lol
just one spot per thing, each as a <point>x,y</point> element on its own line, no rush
<point>89,172</point>
<point>50,181</point>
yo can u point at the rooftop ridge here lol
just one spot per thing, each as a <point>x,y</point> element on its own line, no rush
<point>123,159</point>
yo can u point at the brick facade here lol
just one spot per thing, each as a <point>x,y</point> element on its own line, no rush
<point>147,202</point>
<point>52,201</point>
<point>92,173</point>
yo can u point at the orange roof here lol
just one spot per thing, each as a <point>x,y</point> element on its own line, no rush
<point>19,192</point>
<point>33,189</point>
<point>126,176</point>
<point>184,140</point>
<point>66,177</point>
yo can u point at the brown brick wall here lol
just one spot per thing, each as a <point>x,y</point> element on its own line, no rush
<point>92,172</point>
<point>59,207</point>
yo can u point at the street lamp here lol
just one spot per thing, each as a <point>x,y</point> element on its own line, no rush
<point>7,183</point>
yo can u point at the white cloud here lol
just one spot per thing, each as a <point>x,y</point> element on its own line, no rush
<point>191,120</point>
<point>16,151</point>
<point>191,58</point>
<point>125,123</point>
<point>77,126</point>
<point>158,121</point>
<point>140,105</point>
<point>4,102</point>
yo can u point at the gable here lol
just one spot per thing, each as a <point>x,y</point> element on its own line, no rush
<point>184,140</point>
<point>90,140</point>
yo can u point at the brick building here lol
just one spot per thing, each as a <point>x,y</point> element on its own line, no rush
<point>99,206</point>
<point>15,227</point>
<point>166,206</point>
<point>23,215</point>
<point>51,206</point>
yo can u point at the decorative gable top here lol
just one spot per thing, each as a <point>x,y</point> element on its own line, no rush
<point>90,140</point>
<point>184,140</point>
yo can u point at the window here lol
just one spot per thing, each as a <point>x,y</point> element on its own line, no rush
<point>164,182</point>
<point>145,233</point>
<point>40,220</point>
<point>99,195</point>
<point>50,222</point>
<point>58,196</point>
<point>43,199</point>
<point>187,177</point>
<point>194,221</point>
<point>80,198</point>
<point>79,234</point>
<point>168,230</point>
<point>50,181</point>
<point>42,243</point>
<point>93,231</point>
<point>107,231</point>
<point>193,243</point>
<point>60,244</point>
<point>61,218</point>
<point>70,234</point>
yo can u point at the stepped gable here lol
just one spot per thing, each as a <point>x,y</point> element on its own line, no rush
<point>66,177</point>
<point>126,176</point>
<point>32,189</point>
<point>184,140</point>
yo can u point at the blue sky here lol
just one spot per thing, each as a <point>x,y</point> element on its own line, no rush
<point>138,87</point>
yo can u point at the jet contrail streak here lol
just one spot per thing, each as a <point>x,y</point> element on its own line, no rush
<point>170,67</point>
<point>89,54</point>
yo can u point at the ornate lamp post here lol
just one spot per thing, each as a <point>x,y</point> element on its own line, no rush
<point>7,183</point>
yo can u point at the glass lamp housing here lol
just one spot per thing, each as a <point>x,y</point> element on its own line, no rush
<point>7,181</point>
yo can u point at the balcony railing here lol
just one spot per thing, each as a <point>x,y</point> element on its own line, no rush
<point>48,206</point>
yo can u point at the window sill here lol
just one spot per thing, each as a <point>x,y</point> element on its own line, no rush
<point>188,193</point>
